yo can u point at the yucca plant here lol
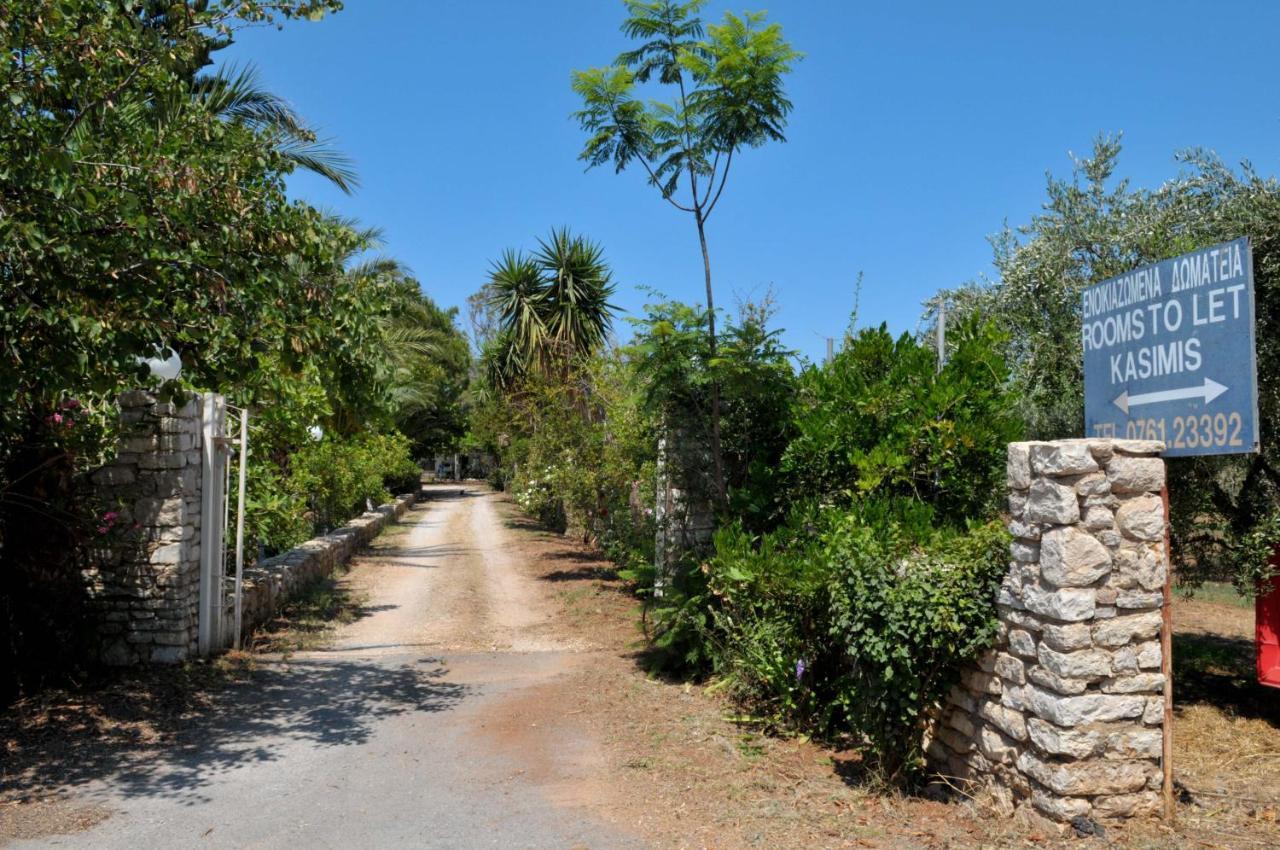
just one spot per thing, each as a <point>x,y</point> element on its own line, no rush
<point>552,305</point>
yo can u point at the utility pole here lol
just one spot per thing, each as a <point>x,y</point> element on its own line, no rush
<point>942,332</point>
<point>831,348</point>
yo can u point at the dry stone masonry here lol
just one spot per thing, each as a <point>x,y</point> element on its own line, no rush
<point>145,580</point>
<point>274,580</point>
<point>1066,711</point>
<point>144,585</point>
<point>684,513</point>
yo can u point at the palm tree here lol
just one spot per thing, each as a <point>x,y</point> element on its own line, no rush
<point>517,293</point>
<point>236,96</point>
<point>553,307</point>
<point>578,313</point>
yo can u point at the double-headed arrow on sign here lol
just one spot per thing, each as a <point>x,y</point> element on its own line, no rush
<point>1210,390</point>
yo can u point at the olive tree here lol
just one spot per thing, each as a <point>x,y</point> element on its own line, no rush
<point>1225,510</point>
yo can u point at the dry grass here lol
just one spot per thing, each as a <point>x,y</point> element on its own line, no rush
<point>690,777</point>
<point>310,620</point>
<point>1226,728</point>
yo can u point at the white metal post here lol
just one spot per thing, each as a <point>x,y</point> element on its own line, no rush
<point>244,459</point>
<point>212,417</point>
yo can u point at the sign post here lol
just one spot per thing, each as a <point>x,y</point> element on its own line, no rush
<point>1169,355</point>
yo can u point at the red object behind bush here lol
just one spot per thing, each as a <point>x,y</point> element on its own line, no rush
<point>1268,631</point>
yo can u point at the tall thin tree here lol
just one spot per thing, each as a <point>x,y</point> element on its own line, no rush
<point>728,94</point>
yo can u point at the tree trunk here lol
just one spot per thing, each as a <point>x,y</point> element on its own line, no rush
<point>721,494</point>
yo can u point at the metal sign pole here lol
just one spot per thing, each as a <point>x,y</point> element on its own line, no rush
<point>244,457</point>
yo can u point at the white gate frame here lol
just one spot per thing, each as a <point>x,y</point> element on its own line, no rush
<point>215,510</point>
<point>213,420</point>
<point>243,471</point>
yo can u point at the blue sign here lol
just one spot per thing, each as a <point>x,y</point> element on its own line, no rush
<point>1169,354</point>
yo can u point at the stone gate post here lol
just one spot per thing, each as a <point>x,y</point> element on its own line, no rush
<point>683,511</point>
<point>144,583</point>
<point>1066,711</point>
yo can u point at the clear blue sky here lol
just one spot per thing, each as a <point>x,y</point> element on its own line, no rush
<point>919,127</point>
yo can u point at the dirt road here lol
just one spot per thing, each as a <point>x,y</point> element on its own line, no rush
<point>405,732</point>
<point>490,695</point>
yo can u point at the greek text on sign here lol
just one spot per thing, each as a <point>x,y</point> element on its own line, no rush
<point>1169,353</point>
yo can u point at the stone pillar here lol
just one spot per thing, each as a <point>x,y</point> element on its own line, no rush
<point>144,581</point>
<point>683,511</point>
<point>1066,711</point>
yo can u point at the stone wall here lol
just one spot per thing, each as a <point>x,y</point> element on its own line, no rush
<point>145,583</point>
<point>144,588</point>
<point>1067,711</point>
<point>268,584</point>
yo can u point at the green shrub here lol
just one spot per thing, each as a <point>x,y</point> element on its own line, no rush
<point>850,618</point>
<point>849,622</point>
<point>880,419</point>
<point>775,651</point>
<point>907,618</point>
<point>339,476</point>
<point>275,517</point>
<point>326,483</point>
<point>541,498</point>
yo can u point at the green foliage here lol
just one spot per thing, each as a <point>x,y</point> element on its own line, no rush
<point>675,372</point>
<point>881,419</point>
<point>429,371</point>
<point>850,586</point>
<point>1252,556</point>
<point>325,483</point>
<point>846,623</point>
<point>908,617</point>
<point>127,220</point>
<point>338,477</point>
<point>552,307</point>
<point>538,493</point>
<point>577,451</point>
<point>758,388</point>
<point>554,409</point>
<point>143,213</point>
<point>276,516</point>
<point>727,94</point>
<point>1094,226</point>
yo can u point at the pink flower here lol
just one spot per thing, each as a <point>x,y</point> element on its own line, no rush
<point>71,404</point>
<point>111,516</point>
<point>102,529</point>
<point>57,418</point>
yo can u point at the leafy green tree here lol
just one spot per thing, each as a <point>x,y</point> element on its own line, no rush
<point>141,214</point>
<point>237,96</point>
<point>1094,226</point>
<point>675,373</point>
<point>430,371</point>
<point>728,95</point>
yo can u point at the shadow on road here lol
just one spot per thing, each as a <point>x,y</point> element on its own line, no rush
<point>171,737</point>
<point>410,556</point>
<point>448,492</point>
